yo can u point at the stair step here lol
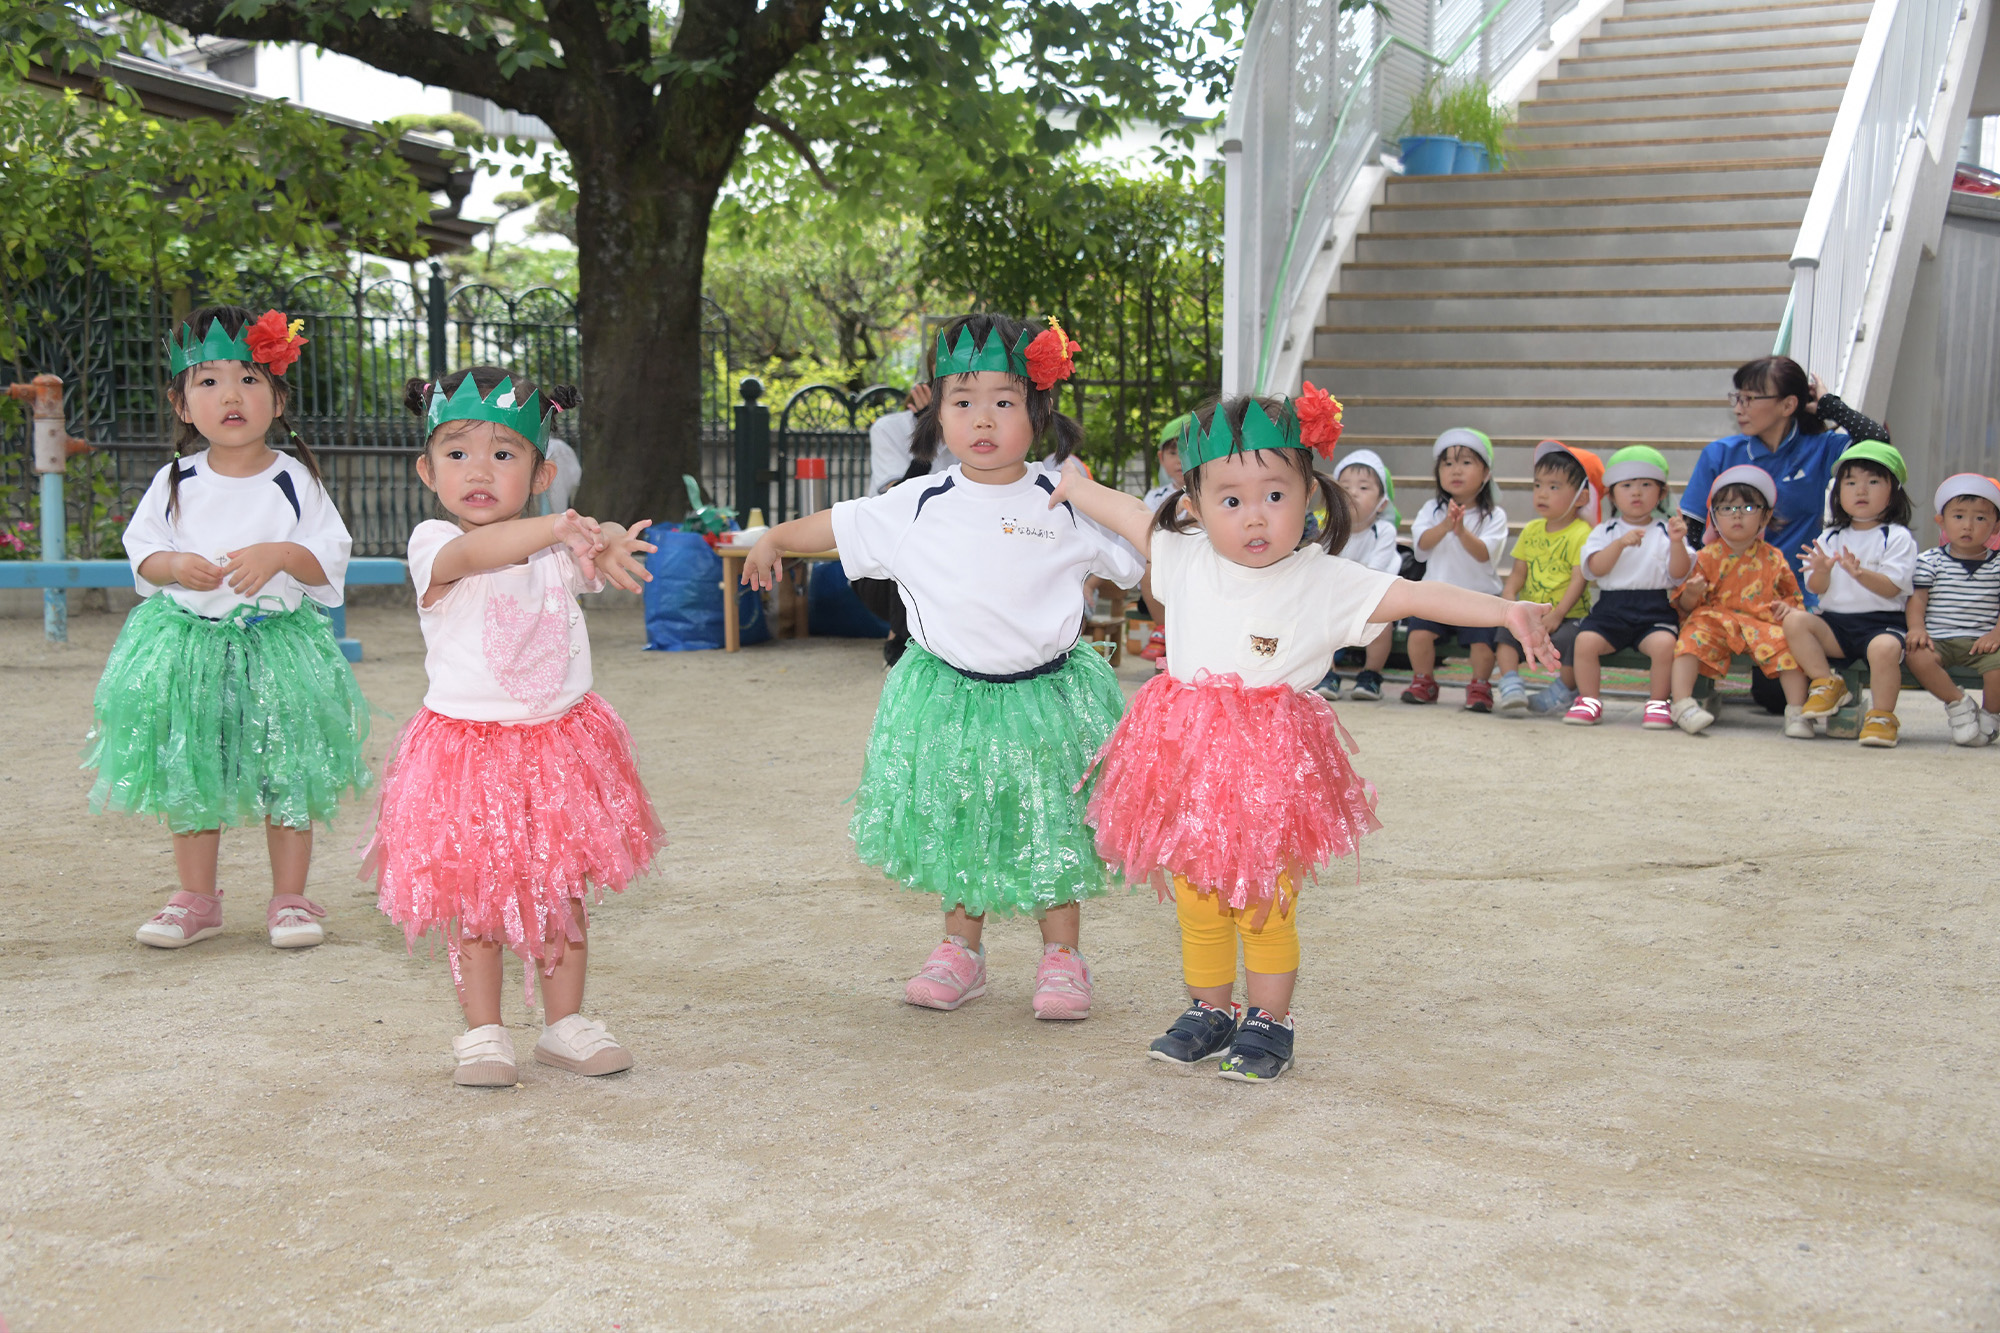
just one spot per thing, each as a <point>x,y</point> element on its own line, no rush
<point>1637,276</point>
<point>1686,305</point>
<point>1734,344</point>
<point>1552,185</point>
<point>1557,416</point>
<point>1386,380</point>
<point>1689,40</point>
<point>1663,124</point>
<point>1745,17</point>
<point>1605,243</point>
<point>1703,79</point>
<point>1740,101</point>
<point>1709,149</point>
<point>1654,11</point>
<point>1776,207</point>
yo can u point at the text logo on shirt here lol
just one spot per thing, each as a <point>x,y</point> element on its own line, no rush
<point>1014,527</point>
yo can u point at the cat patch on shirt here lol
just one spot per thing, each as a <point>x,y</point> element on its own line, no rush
<point>1262,646</point>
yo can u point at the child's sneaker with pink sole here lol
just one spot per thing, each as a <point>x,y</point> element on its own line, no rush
<point>186,919</point>
<point>952,975</point>
<point>291,919</point>
<point>1062,985</point>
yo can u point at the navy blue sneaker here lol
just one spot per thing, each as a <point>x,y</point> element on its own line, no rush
<point>1261,1049</point>
<point>1367,685</point>
<point>1329,687</point>
<point>1201,1033</point>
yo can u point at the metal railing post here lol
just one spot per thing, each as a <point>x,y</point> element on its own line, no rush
<point>434,312</point>
<point>753,451</point>
<point>52,448</point>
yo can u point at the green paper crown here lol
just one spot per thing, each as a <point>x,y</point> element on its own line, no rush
<point>183,351</point>
<point>963,358</point>
<point>525,419</point>
<point>1200,446</point>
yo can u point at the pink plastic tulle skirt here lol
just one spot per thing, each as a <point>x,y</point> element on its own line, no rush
<point>1227,787</point>
<point>504,830</point>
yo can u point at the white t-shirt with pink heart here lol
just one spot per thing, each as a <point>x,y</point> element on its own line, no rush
<point>508,645</point>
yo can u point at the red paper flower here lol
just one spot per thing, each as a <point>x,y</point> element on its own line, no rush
<point>1051,356</point>
<point>1319,419</point>
<point>274,342</point>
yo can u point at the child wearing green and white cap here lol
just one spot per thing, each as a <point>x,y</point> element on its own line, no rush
<point>1861,568</point>
<point>1461,535</point>
<point>1954,610</point>
<point>1634,557</point>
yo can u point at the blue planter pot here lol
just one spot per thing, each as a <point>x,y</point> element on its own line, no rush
<point>1430,155</point>
<point>1471,159</point>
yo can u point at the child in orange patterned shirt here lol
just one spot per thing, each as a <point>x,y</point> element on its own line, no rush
<point>1736,601</point>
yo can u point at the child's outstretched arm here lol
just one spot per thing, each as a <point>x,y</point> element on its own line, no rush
<point>814,532</point>
<point>1449,604</point>
<point>1123,514</point>
<point>616,556</point>
<point>498,545</point>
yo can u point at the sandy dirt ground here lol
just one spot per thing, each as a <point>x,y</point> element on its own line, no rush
<point>1617,1030</point>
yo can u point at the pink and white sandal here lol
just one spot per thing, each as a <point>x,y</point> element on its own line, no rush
<point>187,918</point>
<point>290,917</point>
<point>1585,712</point>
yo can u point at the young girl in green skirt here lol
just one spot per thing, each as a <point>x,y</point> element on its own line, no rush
<point>225,700</point>
<point>989,720</point>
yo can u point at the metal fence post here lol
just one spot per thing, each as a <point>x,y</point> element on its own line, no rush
<point>753,450</point>
<point>52,448</point>
<point>434,308</point>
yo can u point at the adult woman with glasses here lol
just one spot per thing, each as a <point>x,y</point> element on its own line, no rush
<point>1788,425</point>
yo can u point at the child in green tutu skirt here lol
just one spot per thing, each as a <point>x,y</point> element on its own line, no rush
<point>989,719</point>
<point>225,700</point>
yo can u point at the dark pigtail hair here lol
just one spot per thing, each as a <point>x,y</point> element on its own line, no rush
<point>417,392</point>
<point>234,318</point>
<point>1043,414</point>
<point>1339,526</point>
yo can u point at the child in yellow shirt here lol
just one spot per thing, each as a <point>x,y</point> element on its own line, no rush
<point>1548,566</point>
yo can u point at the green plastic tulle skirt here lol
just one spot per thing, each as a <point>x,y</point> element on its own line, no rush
<point>969,789</point>
<point>203,723</point>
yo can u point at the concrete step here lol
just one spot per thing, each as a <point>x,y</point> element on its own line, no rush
<point>1713,66</point>
<point>1707,148</point>
<point>1586,378</point>
<point>1577,243</point>
<point>1634,276</point>
<point>1620,305</point>
<point>1559,416</point>
<point>1409,459</point>
<point>1636,11</point>
<point>1555,185</point>
<point>1733,343</point>
<point>1811,70</point>
<point>1636,22</point>
<point>1690,37</point>
<point>1783,208</point>
<point>1740,101</point>
<point>1662,127</point>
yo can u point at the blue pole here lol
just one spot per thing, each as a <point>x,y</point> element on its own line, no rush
<point>55,522</point>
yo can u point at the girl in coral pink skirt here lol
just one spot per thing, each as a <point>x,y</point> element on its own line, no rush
<point>1227,784</point>
<point>513,793</point>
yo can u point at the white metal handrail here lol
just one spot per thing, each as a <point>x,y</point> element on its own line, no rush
<point>1317,91</point>
<point>1891,97</point>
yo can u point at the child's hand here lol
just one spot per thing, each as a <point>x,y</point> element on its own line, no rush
<point>1917,638</point>
<point>1817,561</point>
<point>1552,619</point>
<point>583,536</point>
<point>1073,474</point>
<point>196,573</point>
<point>1851,563</point>
<point>762,566</point>
<point>1677,528</point>
<point>1454,514</point>
<point>1986,643</point>
<point>1694,589</point>
<point>252,567</point>
<point>618,552</point>
<point>1525,623</point>
<point>1632,538</point>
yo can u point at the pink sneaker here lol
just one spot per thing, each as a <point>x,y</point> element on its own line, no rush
<point>1585,712</point>
<point>1062,985</point>
<point>290,917</point>
<point>186,918</point>
<point>1659,716</point>
<point>952,975</point>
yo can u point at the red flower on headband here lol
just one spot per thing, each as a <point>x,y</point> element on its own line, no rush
<point>274,342</point>
<point>1051,356</point>
<point>1319,419</point>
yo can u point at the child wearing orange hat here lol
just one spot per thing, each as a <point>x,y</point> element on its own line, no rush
<point>1548,564</point>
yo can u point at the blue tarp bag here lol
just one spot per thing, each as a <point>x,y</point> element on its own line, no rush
<point>834,612</point>
<point>684,601</point>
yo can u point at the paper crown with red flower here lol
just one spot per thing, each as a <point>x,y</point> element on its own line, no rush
<point>528,419</point>
<point>270,341</point>
<point>1043,359</point>
<point>1309,421</point>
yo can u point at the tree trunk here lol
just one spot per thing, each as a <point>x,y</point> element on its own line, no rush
<point>641,233</point>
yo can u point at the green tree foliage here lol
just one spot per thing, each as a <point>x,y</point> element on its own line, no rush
<point>1132,266</point>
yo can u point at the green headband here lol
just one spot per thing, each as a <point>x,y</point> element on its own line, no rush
<point>965,358</point>
<point>217,345</point>
<point>1875,451</point>
<point>1258,431</point>
<point>525,419</point>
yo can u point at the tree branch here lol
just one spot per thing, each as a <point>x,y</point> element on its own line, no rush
<point>798,143</point>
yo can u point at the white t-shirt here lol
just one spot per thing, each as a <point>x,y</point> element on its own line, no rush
<point>1158,495</point>
<point>215,514</point>
<point>569,476</point>
<point>1375,547</point>
<point>508,645</point>
<point>1449,561</point>
<point>1279,625</point>
<point>889,450</point>
<point>1644,566</point>
<point>992,577</point>
<point>1888,549</point>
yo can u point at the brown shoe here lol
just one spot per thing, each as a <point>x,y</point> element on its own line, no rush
<point>1826,697</point>
<point>1878,730</point>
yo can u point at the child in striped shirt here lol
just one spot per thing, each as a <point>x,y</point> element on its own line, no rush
<point>1954,611</point>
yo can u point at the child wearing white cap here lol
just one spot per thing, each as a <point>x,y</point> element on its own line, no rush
<point>1461,535</point>
<point>1954,611</point>
<point>1736,601</point>
<point>1371,503</point>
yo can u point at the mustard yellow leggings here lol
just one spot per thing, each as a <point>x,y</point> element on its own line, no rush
<point>1210,930</point>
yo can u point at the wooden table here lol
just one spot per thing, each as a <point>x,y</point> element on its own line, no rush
<point>732,589</point>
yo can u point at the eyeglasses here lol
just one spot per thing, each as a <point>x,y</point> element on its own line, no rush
<point>1739,398</point>
<point>1733,510</point>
